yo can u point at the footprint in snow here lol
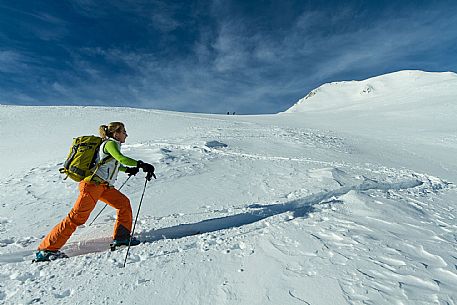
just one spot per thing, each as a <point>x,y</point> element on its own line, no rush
<point>215,144</point>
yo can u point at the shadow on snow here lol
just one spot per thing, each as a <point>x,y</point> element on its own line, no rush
<point>301,207</point>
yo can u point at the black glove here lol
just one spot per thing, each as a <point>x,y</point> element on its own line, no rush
<point>147,168</point>
<point>132,171</point>
<point>150,175</point>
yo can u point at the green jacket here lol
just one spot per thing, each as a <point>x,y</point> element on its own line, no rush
<point>107,172</point>
<point>111,148</point>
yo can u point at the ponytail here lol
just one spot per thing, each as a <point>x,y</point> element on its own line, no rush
<point>108,131</point>
<point>103,131</point>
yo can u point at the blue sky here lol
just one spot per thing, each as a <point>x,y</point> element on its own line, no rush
<point>250,57</point>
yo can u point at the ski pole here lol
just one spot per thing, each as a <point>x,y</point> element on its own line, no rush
<point>107,204</point>
<point>136,218</point>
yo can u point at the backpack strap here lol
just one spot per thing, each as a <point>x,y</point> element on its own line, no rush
<point>100,163</point>
<point>106,159</point>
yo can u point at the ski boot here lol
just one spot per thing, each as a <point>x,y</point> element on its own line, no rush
<point>124,242</point>
<point>47,256</point>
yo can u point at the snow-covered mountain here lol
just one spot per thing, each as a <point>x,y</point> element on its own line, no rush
<point>347,198</point>
<point>389,90</point>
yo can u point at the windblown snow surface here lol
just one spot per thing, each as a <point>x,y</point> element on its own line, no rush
<point>347,198</point>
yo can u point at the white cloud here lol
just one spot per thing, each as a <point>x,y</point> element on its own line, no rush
<point>231,47</point>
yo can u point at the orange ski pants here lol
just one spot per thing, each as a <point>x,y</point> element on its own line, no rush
<point>89,194</point>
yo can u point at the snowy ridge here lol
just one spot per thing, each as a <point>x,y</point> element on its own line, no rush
<point>282,209</point>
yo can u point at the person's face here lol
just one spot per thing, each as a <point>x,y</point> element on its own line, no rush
<point>121,135</point>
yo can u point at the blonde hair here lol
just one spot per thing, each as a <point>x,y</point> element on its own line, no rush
<point>107,131</point>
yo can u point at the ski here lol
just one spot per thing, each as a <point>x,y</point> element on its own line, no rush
<point>114,247</point>
<point>48,256</point>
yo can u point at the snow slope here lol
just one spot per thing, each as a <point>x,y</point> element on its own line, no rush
<point>352,203</point>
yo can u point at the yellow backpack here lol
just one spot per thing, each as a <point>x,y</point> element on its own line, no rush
<point>81,163</point>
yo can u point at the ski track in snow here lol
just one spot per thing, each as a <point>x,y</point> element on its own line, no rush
<point>347,223</point>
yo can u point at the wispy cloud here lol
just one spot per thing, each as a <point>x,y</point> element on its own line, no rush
<point>231,47</point>
<point>38,24</point>
<point>11,61</point>
<point>163,18</point>
<point>159,14</point>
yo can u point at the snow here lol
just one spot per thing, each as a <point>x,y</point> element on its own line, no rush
<point>346,198</point>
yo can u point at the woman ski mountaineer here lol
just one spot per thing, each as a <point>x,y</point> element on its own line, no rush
<point>99,187</point>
